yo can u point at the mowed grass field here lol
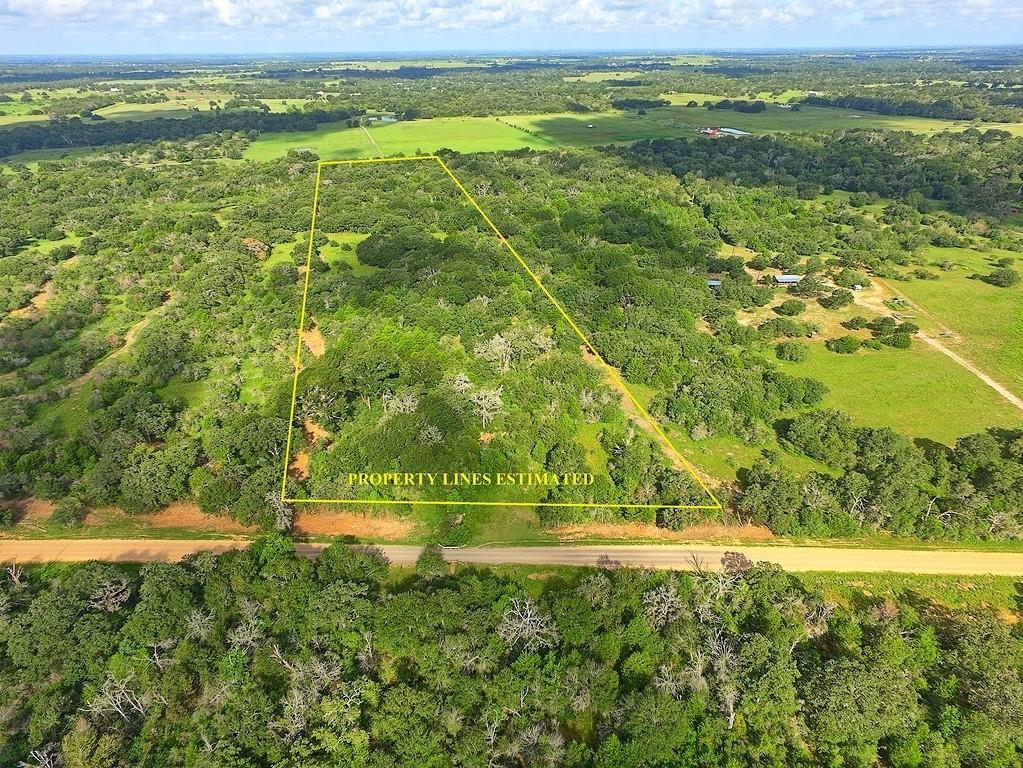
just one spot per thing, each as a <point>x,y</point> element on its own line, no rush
<point>700,97</point>
<point>463,134</point>
<point>612,127</point>
<point>181,103</point>
<point>918,391</point>
<point>987,320</point>
<point>544,131</point>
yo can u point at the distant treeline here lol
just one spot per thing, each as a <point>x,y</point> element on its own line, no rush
<point>739,105</point>
<point>409,73</point>
<point>639,103</point>
<point>885,163</point>
<point>943,109</point>
<point>49,76</point>
<point>79,133</point>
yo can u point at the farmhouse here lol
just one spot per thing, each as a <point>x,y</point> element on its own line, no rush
<point>787,279</point>
<point>717,131</point>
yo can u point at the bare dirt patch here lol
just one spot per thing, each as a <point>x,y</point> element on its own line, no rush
<point>314,431</point>
<point>642,531</point>
<point>313,340</point>
<point>299,466</point>
<point>330,523</point>
<point>177,515</point>
<point>38,302</point>
<point>31,513</point>
<point>185,515</point>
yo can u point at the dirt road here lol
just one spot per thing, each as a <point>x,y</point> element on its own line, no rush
<point>614,381</point>
<point>999,388</point>
<point>875,301</point>
<point>956,562</point>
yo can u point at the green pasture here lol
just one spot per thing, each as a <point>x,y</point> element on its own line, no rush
<point>181,103</point>
<point>617,127</point>
<point>543,131</point>
<point>685,97</point>
<point>334,252</point>
<point>10,120</point>
<point>987,320</point>
<point>1000,593</point>
<point>918,391</point>
<point>463,134</point>
<point>609,76</point>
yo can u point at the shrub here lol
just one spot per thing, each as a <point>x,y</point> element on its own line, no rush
<point>847,278</point>
<point>790,307</point>
<point>782,326</point>
<point>856,323</point>
<point>1002,277</point>
<point>838,299</point>
<point>793,351</point>
<point>843,345</point>
<point>898,340</point>
<point>69,512</point>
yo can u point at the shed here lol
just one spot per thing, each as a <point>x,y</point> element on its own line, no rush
<point>787,279</point>
<point>713,283</point>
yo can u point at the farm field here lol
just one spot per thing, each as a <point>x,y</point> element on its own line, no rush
<point>10,120</point>
<point>918,392</point>
<point>685,97</point>
<point>986,321</point>
<point>615,127</point>
<point>462,134</point>
<point>543,131</point>
<point>606,77</point>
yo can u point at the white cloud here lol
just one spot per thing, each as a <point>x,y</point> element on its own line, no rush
<point>495,19</point>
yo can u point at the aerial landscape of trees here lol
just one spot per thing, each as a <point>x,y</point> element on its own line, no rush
<point>159,372</point>
<point>152,279</point>
<point>263,658</point>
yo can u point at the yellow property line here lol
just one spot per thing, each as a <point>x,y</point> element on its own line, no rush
<point>442,503</point>
<point>522,262</point>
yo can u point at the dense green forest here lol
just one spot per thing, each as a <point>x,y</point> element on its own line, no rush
<point>149,291</point>
<point>159,370</point>
<point>262,658</point>
<point>79,132</point>
<point>784,302</point>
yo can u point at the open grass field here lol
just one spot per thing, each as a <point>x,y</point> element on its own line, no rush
<point>603,77</point>
<point>700,97</point>
<point>919,392</point>
<point>543,131</point>
<point>10,120</point>
<point>464,134</point>
<point>182,103</point>
<point>1000,593</point>
<point>986,320</point>
<point>612,127</point>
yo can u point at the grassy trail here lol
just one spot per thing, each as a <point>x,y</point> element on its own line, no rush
<point>998,387</point>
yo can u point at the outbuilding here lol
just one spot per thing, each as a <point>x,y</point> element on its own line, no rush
<point>787,279</point>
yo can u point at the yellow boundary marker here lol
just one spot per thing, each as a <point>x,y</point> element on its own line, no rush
<point>557,304</point>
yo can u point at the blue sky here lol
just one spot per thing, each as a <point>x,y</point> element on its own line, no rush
<point>295,26</point>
